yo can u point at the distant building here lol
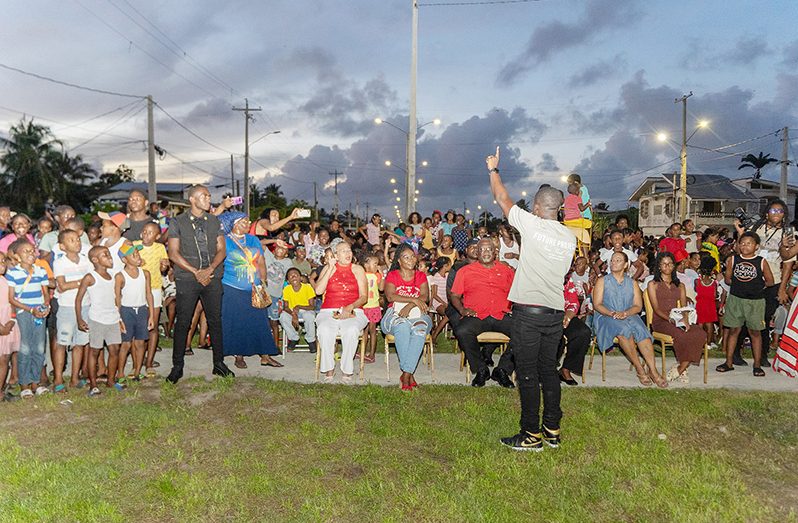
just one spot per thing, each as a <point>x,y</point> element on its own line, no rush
<point>711,201</point>
<point>173,192</point>
<point>767,190</point>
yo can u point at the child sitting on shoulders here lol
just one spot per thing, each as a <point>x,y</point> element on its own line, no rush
<point>299,302</point>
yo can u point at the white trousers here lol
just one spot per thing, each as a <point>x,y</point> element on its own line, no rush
<point>327,328</point>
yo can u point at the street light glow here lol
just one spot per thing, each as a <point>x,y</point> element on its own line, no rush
<point>396,191</point>
<point>564,178</point>
<point>387,163</point>
<point>378,121</point>
<point>393,180</point>
<point>662,137</point>
<point>523,193</point>
<point>420,180</point>
<point>425,163</point>
<point>703,123</point>
<point>398,199</point>
<point>436,121</point>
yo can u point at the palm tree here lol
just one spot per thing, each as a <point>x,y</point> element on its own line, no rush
<point>29,178</point>
<point>756,162</point>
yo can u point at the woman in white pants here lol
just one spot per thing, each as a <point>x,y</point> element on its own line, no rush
<point>344,287</point>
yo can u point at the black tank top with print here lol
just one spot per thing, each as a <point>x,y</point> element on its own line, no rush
<point>748,280</point>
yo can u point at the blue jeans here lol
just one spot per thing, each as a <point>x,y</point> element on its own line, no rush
<point>31,348</point>
<point>409,335</point>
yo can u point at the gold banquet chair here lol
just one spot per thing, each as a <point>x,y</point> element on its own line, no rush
<point>486,337</point>
<point>362,351</point>
<point>427,355</point>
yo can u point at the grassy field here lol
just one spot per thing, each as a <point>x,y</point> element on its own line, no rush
<point>256,450</point>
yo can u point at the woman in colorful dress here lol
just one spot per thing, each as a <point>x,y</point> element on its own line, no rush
<point>246,330</point>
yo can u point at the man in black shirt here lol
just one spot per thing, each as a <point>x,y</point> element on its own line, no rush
<point>137,215</point>
<point>196,246</point>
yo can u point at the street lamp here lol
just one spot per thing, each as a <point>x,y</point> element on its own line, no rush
<point>408,194</point>
<point>410,153</point>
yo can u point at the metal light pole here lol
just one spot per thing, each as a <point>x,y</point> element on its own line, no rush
<point>410,185</point>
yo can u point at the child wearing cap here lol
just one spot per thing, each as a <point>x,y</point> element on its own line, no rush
<point>133,294</point>
<point>104,324</point>
<point>156,262</point>
<point>114,224</point>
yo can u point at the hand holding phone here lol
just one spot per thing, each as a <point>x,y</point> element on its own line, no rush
<point>237,200</point>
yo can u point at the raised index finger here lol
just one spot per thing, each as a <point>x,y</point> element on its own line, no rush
<point>497,152</point>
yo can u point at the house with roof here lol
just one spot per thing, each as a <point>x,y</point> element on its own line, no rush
<point>711,201</point>
<point>173,192</point>
<point>767,190</point>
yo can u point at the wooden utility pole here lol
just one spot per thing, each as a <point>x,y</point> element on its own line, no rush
<point>152,188</point>
<point>315,202</point>
<point>232,177</point>
<point>683,157</point>
<point>247,117</point>
<point>410,183</point>
<point>785,161</point>
<point>335,174</point>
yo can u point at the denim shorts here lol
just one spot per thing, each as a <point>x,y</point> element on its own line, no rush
<point>67,332</point>
<point>273,311</point>
<point>135,320</point>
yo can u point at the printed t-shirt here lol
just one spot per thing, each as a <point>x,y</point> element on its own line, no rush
<point>151,257</point>
<point>407,288</point>
<point>373,289</point>
<point>547,247</point>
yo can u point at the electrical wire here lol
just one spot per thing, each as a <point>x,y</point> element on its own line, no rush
<point>130,113</point>
<point>485,2</point>
<point>192,133</point>
<point>69,84</point>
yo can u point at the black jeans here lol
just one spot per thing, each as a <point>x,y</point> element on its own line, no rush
<point>470,327</point>
<point>188,292</point>
<point>536,340</point>
<point>578,335</point>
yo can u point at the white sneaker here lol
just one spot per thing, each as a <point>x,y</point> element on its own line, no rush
<point>42,390</point>
<point>673,374</point>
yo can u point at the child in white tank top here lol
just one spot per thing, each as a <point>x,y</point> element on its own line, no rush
<point>134,299</point>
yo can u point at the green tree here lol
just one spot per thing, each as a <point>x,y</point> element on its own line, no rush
<point>756,162</point>
<point>122,174</point>
<point>30,177</point>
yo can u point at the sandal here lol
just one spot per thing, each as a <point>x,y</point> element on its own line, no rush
<point>189,352</point>
<point>240,364</point>
<point>26,394</point>
<point>60,388</point>
<point>644,379</point>
<point>723,367</point>
<point>271,363</point>
<point>662,383</point>
<point>369,359</point>
<point>758,372</point>
<point>102,378</point>
<point>151,373</point>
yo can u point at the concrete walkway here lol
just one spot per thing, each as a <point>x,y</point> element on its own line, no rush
<point>300,367</point>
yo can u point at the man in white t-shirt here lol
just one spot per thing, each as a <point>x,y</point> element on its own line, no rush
<point>547,248</point>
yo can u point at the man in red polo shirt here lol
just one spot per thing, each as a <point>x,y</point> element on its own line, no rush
<point>479,294</point>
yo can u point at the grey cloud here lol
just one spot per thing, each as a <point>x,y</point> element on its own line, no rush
<point>598,71</point>
<point>456,158</point>
<point>547,163</point>
<point>746,50</point>
<point>790,54</point>
<point>547,40</point>
<point>209,112</point>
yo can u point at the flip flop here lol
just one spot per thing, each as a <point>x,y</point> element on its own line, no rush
<point>60,389</point>
<point>723,367</point>
<point>272,363</point>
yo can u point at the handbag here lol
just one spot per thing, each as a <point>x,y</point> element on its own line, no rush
<point>260,295</point>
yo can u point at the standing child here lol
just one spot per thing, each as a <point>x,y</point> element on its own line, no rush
<point>437,290</point>
<point>372,309</point>
<point>748,275</point>
<point>299,302</point>
<point>706,299</point>
<point>28,293</point>
<point>104,324</point>
<point>69,270</point>
<point>156,262</point>
<point>134,299</point>
<point>711,237</point>
<point>9,332</point>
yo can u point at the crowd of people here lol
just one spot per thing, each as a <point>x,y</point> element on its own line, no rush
<point>103,292</point>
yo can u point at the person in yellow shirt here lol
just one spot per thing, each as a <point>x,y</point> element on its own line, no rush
<point>155,261</point>
<point>299,301</point>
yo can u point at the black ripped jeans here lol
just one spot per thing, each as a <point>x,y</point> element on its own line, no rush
<point>536,338</point>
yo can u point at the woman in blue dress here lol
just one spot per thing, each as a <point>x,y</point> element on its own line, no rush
<point>245,329</point>
<point>617,302</point>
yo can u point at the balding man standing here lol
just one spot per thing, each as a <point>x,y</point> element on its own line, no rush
<point>547,248</point>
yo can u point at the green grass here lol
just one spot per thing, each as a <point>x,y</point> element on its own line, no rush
<point>256,450</point>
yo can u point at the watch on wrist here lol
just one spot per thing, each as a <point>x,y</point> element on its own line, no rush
<point>494,170</point>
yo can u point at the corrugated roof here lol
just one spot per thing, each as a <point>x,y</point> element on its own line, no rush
<point>160,187</point>
<point>712,187</point>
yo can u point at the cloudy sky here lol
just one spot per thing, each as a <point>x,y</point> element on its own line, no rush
<point>560,85</point>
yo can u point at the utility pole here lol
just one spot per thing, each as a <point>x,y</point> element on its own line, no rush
<point>246,109</point>
<point>349,219</point>
<point>238,187</point>
<point>152,189</point>
<point>367,219</point>
<point>336,174</point>
<point>315,202</point>
<point>785,161</point>
<point>232,177</point>
<point>683,156</point>
<point>357,210</point>
<point>410,196</point>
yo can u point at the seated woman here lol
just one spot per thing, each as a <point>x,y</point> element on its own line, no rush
<point>407,292</point>
<point>617,301</point>
<point>666,293</point>
<point>343,284</point>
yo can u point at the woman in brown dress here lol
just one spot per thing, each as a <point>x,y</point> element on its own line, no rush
<point>665,293</point>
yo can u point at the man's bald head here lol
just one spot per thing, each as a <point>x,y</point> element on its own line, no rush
<point>548,201</point>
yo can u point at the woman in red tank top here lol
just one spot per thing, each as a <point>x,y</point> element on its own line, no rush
<point>344,287</point>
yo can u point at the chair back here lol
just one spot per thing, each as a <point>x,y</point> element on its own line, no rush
<point>649,309</point>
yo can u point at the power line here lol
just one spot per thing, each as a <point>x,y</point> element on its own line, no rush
<point>487,2</point>
<point>192,133</point>
<point>130,113</point>
<point>182,54</point>
<point>69,84</point>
